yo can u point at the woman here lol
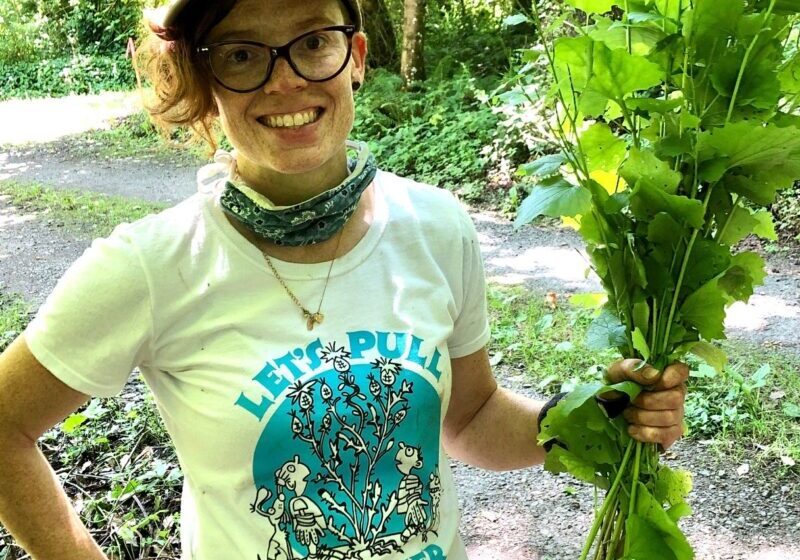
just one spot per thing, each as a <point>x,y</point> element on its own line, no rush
<point>313,330</point>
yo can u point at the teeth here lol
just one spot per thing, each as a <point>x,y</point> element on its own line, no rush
<point>295,120</point>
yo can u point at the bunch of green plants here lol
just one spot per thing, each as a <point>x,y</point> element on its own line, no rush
<point>425,134</point>
<point>676,127</point>
<point>64,75</point>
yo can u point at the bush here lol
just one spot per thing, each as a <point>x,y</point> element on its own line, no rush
<point>787,213</point>
<point>441,134</point>
<point>66,75</point>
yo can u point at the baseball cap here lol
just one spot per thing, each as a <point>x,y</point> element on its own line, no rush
<point>167,15</point>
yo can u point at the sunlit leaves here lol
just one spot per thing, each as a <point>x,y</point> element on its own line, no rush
<point>705,311</point>
<point>603,150</point>
<point>555,197</point>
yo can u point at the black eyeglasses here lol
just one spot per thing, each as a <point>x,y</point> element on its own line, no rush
<point>316,56</point>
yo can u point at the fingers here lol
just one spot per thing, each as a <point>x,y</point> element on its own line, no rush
<point>657,416</point>
<point>644,374</point>
<point>653,418</point>
<point>649,434</point>
<point>667,399</point>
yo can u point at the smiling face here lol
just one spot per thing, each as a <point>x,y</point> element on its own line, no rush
<point>321,114</point>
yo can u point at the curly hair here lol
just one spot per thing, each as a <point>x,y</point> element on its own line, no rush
<point>181,80</point>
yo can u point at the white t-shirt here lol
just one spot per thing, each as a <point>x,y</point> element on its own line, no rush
<point>328,441</point>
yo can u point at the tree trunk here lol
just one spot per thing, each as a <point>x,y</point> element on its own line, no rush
<point>381,34</point>
<point>412,65</point>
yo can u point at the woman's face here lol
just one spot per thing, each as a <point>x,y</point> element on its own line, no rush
<point>252,121</point>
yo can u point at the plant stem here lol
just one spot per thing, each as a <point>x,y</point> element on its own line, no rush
<point>634,487</point>
<point>745,61</point>
<point>684,265</point>
<point>607,502</point>
<point>720,233</point>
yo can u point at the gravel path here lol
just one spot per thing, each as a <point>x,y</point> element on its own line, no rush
<point>524,515</point>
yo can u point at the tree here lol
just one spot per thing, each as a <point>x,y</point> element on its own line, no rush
<point>412,65</point>
<point>382,37</point>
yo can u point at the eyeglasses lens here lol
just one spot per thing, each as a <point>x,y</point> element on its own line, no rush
<point>316,56</point>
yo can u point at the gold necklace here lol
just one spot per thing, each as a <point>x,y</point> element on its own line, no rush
<point>312,319</point>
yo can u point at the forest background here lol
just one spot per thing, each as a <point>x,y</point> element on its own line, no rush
<point>447,78</point>
<point>452,98</point>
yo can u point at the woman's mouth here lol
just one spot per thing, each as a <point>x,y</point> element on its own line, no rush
<point>292,120</point>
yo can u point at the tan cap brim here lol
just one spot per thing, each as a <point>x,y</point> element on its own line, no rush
<point>165,16</point>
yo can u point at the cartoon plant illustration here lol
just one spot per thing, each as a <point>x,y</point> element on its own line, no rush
<point>349,433</point>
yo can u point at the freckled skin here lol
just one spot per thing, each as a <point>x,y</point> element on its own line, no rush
<point>282,168</point>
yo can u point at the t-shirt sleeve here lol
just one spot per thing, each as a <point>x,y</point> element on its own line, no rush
<point>471,329</point>
<point>96,325</point>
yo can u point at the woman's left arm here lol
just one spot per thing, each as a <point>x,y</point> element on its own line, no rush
<point>493,428</point>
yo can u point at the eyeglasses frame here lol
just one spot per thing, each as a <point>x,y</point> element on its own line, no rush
<point>280,52</point>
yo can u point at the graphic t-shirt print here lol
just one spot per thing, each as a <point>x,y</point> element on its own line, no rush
<point>347,465</point>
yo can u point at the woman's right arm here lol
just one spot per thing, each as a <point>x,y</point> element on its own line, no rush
<point>33,505</point>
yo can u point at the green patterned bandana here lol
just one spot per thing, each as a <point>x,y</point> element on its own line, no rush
<point>315,220</point>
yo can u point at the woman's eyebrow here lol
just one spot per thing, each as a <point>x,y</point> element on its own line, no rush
<point>301,26</point>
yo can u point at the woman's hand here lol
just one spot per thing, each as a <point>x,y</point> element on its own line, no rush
<point>656,415</point>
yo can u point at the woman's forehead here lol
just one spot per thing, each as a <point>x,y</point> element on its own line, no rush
<point>276,21</point>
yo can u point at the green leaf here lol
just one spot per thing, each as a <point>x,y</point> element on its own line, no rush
<point>708,260</point>
<point>73,422</point>
<point>679,510</point>
<point>603,150</point>
<point>618,74</point>
<point>672,486</point>
<point>791,410</point>
<point>741,224</point>
<point>763,159</point>
<point>640,344</point>
<point>606,331</point>
<point>746,272</point>
<point>644,167</point>
<point>705,311</point>
<point>766,226</point>
<point>649,509</point>
<point>593,6</point>
<point>648,200</point>
<point>710,354</point>
<point>545,166</point>
<point>647,543</point>
<point>555,198</point>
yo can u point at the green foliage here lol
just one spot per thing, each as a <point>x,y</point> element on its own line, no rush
<point>14,317</point>
<point>79,73</point>
<point>97,214</point>
<point>440,134</point>
<point>125,473</point>
<point>47,29</point>
<point>787,213</point>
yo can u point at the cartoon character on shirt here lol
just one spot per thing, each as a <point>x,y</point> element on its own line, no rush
<point>277,547</point>
<point>409,493</point>
<point>308,521</point>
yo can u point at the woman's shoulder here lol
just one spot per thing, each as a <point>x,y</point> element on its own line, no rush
<point>422,202</point>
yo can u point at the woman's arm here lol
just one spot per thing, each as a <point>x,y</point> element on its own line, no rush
<point>33,505</point>
<point>488,426</point>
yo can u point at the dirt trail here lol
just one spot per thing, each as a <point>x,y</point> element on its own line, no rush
<point>524,515</point>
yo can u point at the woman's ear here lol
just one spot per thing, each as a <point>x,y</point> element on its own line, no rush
<point>360,49</point>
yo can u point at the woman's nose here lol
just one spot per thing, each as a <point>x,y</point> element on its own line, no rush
<point>284,78</point>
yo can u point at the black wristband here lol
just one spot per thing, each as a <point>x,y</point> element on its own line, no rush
<point>548,445</point>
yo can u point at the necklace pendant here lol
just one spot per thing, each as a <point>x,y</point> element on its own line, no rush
<point>314,320</point>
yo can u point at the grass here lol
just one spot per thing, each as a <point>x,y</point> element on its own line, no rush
<point>79,212</point>
<point>753,404</point>
<point>136,137</point>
